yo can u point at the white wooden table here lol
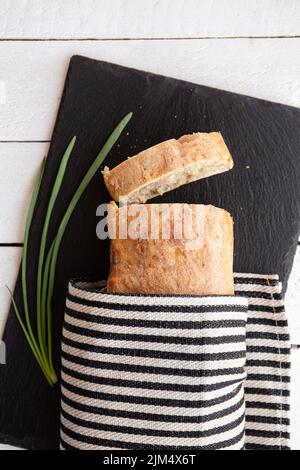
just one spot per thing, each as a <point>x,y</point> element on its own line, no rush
<point>250,47</point>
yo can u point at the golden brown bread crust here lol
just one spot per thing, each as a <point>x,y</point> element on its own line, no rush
<point>168,165</point>
<point>170,266</point>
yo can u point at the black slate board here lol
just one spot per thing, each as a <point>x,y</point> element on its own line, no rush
<point>262,192</point>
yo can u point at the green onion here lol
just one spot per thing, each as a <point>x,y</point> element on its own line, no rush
<point>61,230</point>
<point>48,345</point>
<point>30,342</point>
<point>40,311</point>
<point>42,346</point>
<point>27,329</point>
<point>25,247</point>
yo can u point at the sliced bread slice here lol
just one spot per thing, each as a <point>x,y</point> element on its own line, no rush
<point>167,166</point>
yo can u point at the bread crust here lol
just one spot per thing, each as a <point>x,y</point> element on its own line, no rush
<point>178,162</point>
<point>170,266</point>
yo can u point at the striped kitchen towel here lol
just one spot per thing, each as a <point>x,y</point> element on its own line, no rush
<point>267,388</point>
<point>169,372</point>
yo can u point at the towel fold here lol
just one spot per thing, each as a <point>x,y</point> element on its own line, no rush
<point>175,372</point>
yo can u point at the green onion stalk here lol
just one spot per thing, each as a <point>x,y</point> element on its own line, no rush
<point>41,342</point>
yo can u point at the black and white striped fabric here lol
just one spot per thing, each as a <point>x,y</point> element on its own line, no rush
<point>267,387</point>
<point>168,372</point>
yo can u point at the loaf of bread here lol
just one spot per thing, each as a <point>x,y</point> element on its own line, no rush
<point>146,258</point>
<point>167,166</point>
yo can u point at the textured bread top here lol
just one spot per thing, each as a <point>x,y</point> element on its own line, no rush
<point>199,262</point>
<point>167,166</point>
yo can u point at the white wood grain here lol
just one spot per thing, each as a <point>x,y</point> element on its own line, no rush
<point>295,400</point>
<point>34,72</point>
<point>9,264</point>
<point>292,300</point>
<point>148,19</point>
<point>19,164</point>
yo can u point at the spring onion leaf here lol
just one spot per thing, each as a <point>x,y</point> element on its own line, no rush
<point>80,190</point>
<point>24,255</point>
<point>42,345</point>
<point>40,312</point>
<point>28,338</point>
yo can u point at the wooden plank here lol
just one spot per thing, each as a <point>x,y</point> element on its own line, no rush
<point>295,400</point>
<point>292,300</point>
<point>33,72</point>
<point>9,265</point>
<point>19,165</point>
<point>150,19</point>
